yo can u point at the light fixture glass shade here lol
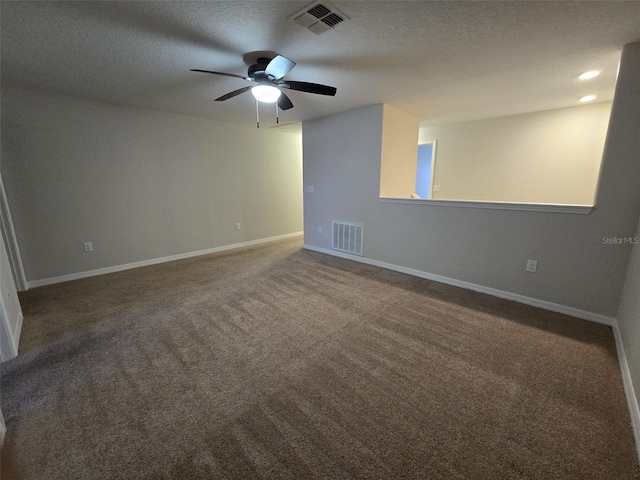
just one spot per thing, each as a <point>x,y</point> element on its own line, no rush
<point>265,93</point>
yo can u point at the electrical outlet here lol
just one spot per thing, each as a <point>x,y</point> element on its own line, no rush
<point>311,189</point>
<point>88,247</point>
<point>436,188</point>
<point>238,226</point>
<point>319,229</point>
<point>532,266</point>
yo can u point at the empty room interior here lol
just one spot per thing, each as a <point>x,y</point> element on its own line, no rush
<point>346,239</point>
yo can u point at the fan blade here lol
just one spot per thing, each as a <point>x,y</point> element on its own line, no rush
<point>232,94</point>
<point>279,67</point>
<point>284,102</point>
<point>309,87</point>
<point>222,73</point>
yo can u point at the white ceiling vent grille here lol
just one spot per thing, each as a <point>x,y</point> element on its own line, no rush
<point>319,17</point>
<point>348,237</point>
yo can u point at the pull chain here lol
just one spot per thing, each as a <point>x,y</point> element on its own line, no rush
<point>257,114</point>
<point>277,113</point>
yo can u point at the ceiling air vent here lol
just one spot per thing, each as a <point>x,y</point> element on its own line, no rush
<point>319,17</point>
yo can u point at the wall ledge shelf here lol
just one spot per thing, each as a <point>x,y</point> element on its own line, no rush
<point>525,207</point>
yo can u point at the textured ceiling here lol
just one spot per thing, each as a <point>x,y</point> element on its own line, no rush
<point>442,61</point>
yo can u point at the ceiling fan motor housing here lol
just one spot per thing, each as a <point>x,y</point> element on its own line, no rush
<point>256,71</point>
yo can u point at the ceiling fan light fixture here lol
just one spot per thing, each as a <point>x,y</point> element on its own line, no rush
<point>266,93</point>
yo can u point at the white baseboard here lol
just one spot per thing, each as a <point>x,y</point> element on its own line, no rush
<point>555,307</point>
<point>632,399</point>
<point>15,334</point>
<point>154,261</point>
<point>3,429</point>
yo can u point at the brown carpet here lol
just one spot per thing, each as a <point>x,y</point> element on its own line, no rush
<point>275,362</point>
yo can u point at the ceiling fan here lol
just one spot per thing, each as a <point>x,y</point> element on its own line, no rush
<point>267,77</point>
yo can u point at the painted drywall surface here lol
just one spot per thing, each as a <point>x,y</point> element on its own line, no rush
<point>542,157</point>
<point>345,172</point>
<point>399,156</point>
<point>482,246</point>
<point>629,317</point>
<point>10,305</point>
<point>139,184</point>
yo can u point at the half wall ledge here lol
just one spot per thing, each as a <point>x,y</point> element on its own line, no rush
<point>525,207</point>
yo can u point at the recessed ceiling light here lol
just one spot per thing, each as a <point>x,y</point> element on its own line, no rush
<point>588,98</point>
<point>589,74</point>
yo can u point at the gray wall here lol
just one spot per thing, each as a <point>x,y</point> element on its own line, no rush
<point>629,320</point>
<point>139,184</point>
<point>481,246</point>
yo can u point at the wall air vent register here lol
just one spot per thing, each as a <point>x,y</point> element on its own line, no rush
<point>347,237</point>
